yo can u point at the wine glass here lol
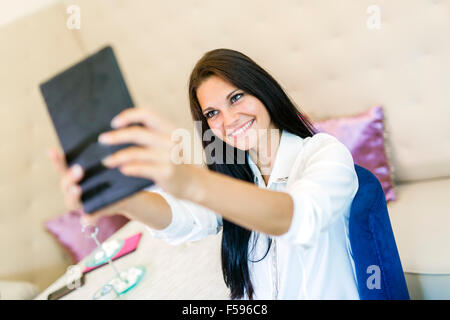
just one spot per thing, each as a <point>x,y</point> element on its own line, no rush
<point>123,281</point>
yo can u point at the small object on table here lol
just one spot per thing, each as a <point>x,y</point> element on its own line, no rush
<point>118,286</point>
<point>128,245</point>
<point>123,281</point>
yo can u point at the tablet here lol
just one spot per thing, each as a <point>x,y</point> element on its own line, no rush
<point>82,100</point>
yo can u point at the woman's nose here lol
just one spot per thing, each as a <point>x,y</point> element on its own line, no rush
<point>230,119</point>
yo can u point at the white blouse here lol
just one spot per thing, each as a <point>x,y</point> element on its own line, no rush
<point>313,259</point>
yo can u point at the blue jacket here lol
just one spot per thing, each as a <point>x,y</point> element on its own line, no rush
<point>378,267</point>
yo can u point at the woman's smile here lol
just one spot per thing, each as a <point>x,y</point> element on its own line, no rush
<point>232,114</point>
<point>235,133</point>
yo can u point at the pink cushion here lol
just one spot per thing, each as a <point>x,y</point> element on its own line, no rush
<point>67,230</point>
<point>363,135</point>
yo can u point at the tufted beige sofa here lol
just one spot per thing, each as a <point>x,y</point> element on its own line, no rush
<point>329,56</point>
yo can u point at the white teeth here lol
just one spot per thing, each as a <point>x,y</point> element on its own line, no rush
<point>238,132</point>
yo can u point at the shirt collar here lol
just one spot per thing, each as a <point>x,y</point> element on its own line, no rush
<point>290,146</point>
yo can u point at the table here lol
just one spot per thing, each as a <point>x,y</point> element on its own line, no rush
<point>186,271</point>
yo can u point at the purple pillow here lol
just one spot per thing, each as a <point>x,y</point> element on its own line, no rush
<point>67,230</point>
<point>363,135</point>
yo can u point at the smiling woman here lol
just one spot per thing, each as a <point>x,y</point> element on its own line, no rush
<point>231,112</point>
<point>290,195</point>
<point>234,97</point>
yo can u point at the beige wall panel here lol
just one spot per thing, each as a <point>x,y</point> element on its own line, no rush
<point>33,49</point>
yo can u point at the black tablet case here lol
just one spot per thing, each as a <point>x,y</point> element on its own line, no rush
<point>82,101</point>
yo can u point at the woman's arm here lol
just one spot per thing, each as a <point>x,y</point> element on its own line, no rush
<point>149,208</point>
<point>241,202</point>
<point>172,220</point>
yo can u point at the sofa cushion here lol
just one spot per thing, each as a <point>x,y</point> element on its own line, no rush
<point>428,286</point>
<point>420,222</point>
<point>17,290</point>
<point>67,230</point>
<point>363,134</point>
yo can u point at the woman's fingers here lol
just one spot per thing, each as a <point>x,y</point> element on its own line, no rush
<point>112,209</point>
<point>93,218</point>
<point>135,154</point>
<point>89,219</point>
<point>70,179</point>
<point>72,196</point>
<point>136,135</point>
<point>72,201</point>
<point>155,172</point>
<point>142,115</point>
<point>69,184</point>
<point>57,160</point>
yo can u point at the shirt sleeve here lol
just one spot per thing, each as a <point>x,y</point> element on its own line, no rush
<point>190,221</point>
<point>322,184</point>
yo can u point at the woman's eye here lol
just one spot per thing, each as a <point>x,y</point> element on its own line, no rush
<point>236,97</point>
<point>210,114</point>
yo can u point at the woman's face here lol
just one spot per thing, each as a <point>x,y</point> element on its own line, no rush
<point>233,115</point>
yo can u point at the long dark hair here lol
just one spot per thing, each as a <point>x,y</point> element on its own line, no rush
<point>245,74</point>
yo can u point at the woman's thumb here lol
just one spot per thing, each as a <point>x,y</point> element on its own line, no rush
<point>88,219</point>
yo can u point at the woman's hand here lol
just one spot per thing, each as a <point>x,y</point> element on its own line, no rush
<point>70,177</point>
<point>151,157</point>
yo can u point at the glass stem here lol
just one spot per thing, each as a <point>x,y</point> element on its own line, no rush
<point>110,262</point>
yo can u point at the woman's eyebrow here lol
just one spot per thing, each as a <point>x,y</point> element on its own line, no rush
<point>228,96</point>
